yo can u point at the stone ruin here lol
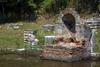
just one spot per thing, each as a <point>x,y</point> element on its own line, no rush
<point>12,26</point>
<point>29,38</point>
<point>72,39</point>
<point>94,24</point>
<point>48,27</point>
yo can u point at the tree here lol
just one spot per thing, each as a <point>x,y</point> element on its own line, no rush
<point>2,2</point>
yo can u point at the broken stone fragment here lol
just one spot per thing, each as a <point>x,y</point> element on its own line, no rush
<point>72,44</point>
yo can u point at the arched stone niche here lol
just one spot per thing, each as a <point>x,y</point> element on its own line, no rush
<point>65,26</point>
<point>69,21</point>
<point>69,25</point>
<point>71,12</point>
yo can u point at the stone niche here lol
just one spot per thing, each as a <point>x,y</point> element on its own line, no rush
<point>69,25</point>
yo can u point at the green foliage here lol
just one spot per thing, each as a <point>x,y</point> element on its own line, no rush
<point>48,4</point>
<point>99,5</point>
<point>53,5</point>
<point>41,34</point>
<point>3,0</point>
<point>55,17</point>
<point>98,41</point>
<point>7,51</point>
<point>31,3</point>
<point>24,9</point>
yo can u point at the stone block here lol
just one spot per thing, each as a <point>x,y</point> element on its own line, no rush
<point>83,32</point>
<point>29,38</point>
<point>48,27</point>
<point>49,39</point>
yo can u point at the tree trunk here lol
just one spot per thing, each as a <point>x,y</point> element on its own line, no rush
<point>56,6</point>
<point>96,4</point>
<point>3,10</point>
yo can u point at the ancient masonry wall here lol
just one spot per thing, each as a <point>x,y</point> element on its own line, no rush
<point>29,36</point>
<point>67,29</point>
<point>69,54</point>
<point>68,26</point>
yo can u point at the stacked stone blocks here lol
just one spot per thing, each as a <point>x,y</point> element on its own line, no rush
<point>29,37</point>
<point>69,54</point>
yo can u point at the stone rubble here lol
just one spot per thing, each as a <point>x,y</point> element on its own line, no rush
<point>12,26</point>
<point>29,37</point>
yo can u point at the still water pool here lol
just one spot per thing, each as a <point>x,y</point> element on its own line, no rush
<point>31,61</point>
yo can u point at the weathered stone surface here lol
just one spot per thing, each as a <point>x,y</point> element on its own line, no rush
<point>8,26</point>
<point>65,54</point>
<point>66,23</point>
<point>16,27</point>
<point>49,39</point>
<point>72,39</point>
<point>12,26</point>
<point>48,27</point>
<point>69,25</point>
<point>83,32</point>
<point>29,37</point>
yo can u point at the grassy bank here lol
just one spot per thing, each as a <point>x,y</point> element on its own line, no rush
<point>10,38</point>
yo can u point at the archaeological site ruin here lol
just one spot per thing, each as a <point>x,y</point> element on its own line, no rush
<point>72,39</point>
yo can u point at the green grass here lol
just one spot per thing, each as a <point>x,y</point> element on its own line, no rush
<point>41,34</point>
<point>97,49</point>
<point>10,38</point>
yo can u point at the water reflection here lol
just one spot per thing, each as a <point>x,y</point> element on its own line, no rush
<point>66,64</point>
<point>30,61</point>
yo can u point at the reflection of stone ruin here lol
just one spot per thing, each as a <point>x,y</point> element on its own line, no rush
<point>72,39</point>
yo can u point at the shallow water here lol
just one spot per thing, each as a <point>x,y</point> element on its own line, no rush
<point>30,61</point>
